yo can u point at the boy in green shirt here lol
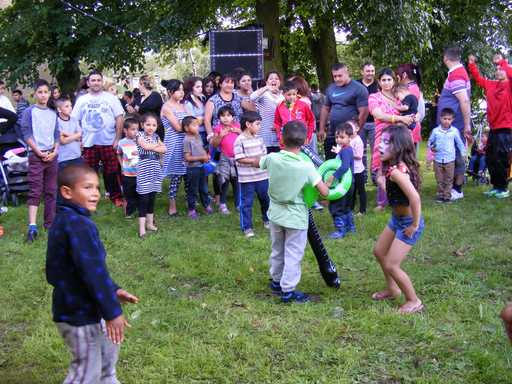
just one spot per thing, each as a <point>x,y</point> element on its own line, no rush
<point>288,214</point>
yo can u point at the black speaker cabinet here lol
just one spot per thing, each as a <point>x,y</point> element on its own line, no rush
<point>232,49</point>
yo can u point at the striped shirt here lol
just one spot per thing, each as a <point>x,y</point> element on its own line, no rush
<point>249,146</point>
<point>266,105</point>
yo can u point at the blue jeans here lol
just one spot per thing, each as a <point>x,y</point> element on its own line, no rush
<point>398,223</point>
<point>477,160</point>
<point>197,184</point>
<point>247,191</point>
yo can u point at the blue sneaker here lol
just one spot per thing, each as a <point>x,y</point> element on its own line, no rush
<point>341,228</point>
<point>491,192</point>
<point>502,194</point>
<point>275,287</point>
<point>337,235</point>
<point>296,296</point>
<point>31,234</point>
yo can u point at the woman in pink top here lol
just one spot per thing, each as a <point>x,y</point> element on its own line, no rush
<point>409,75</point>
<point>382,107</point>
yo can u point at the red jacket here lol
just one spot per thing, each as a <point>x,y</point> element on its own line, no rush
<point>498,95</point>
<point>299,111</point>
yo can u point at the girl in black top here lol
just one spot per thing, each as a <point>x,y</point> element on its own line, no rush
<point>406,225</point>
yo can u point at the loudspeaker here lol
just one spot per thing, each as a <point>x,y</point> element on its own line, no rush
<point>232,49</point>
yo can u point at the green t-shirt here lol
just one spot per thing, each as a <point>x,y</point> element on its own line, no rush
<point>287,174</point>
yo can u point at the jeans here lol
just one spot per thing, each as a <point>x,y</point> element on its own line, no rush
<point>477,164</point>
<point>398,223</point>
<point>247,191</point>
<point>197,185</point>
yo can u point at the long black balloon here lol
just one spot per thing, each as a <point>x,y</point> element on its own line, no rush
<point>325,264</point>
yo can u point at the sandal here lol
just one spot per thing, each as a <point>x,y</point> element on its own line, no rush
<point>383,295</point>
<point>414,309</point>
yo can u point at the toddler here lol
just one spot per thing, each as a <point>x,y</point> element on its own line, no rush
<point>359,175</point>
<point>409,103</point>
<point>70,151</point>
<point>128,157</point>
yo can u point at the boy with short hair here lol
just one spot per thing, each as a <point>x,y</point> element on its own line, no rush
<point>70,151</point>
<point>40,131</point>
<point>293,108</point>
<point>443,141</point>
<point>249,148</point>
<point>128,157</point>
<point>288,214</point>
<point>21,103</point>
<point>86,302</point>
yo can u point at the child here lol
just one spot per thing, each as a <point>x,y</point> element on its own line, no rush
<point>249,148</point>
<point>225,134</point>
<point>293,109</point>
<point>128,157</point>
<point>409,103</point>
<point>86,302</point>
<point>359,175</point>
<point>149,172</point>
<point>40,131</point>
<point>341,209</point>
<point>401,171</point>
<point>70,151</point>
<point>288,174</point>
<point>477,162</point>
<point>195,156</point>
<point>443,141</point>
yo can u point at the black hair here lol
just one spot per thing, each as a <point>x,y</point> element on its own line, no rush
<point>128,93</point>
<point>72,174</point>
<point>226,108</point>
<point>17,91</point>
<point>384,72</point>
<point>294,134</point>
<point>447,112</point>
<point>227,76</point>
<point>41,83</point>
<point>61,100</point>
<point>289,85</point>
<point>345,128</point>
<point>188,86</point>
<point>187,120</point>
<point>149,115</point>
<point>128,122</point>
<point>404,151</point>
<point>214,74</point>
<point>338,66</point>
<point>94,72</point>
<point>366,63</point>
<point>273,73</point>
<point>248,117</point>
<point>2,82</point>
<point>171,85</point>
<point>412,70</point>
<point>452,53</point>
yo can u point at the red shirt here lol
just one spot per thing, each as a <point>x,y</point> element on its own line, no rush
<point>498,94</point>
<point>298,111</point>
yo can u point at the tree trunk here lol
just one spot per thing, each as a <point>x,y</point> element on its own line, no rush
<point>69,77</point>
<point>322,46</point>
<point>267,14</point>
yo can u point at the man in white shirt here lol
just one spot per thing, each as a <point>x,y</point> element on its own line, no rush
<point>100,115</point>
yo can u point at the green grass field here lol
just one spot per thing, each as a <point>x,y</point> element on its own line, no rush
<point>205,314</point>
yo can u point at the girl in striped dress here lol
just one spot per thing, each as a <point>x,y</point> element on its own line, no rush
<point>149,172</point>
<point>172,114</point>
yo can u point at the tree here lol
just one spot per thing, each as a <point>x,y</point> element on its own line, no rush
<point>49,32</point>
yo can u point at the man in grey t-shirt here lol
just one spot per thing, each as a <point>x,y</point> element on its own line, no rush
<point>100,115</point>
<point>345,99</point>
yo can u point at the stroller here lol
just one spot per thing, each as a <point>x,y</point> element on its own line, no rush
<point>477,167</point>
<point>13,169</point>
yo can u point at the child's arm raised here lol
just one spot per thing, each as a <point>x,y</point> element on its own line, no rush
<point>404,182</point>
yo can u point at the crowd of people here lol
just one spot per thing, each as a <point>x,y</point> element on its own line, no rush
<point>222,129</point>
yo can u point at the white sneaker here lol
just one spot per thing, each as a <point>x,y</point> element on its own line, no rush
<point>266,224</point>
<point>456,195</point>
<point>249,233</point>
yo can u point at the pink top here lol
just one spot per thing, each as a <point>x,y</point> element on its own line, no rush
<point>378,100</point>
<point>227,143</point>
<point>416,132</point>
<point>358,149</point>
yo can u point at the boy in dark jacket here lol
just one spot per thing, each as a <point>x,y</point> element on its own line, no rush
<point>86,301</point>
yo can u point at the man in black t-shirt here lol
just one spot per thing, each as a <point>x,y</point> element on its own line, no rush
<point>367,131</point>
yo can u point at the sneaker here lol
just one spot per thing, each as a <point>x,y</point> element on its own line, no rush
<point>249,233</point>
<point>192,214</point>
<point>31,235</point>
<point>266,224</point>
<point>296,296</point>
<point>502,194</point>
<point>275,287</point>
<point>439,200</point>
<point>224,209</point>
<point>337,235</point>
<point>209,210</point>
<point>491,192</point>
<point>456,195</point>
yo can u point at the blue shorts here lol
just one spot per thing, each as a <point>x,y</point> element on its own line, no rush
<point>398,223</point>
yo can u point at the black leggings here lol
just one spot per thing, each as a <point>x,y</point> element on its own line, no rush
<point>359,190</point>
<point>146,204</point>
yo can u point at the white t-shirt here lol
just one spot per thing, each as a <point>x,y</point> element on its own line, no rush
<point>6,104</point>
<point>97,116</point>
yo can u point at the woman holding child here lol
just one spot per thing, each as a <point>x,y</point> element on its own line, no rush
<point>382,106</point>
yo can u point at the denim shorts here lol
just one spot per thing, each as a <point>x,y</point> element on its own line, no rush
<point>398,223</point>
